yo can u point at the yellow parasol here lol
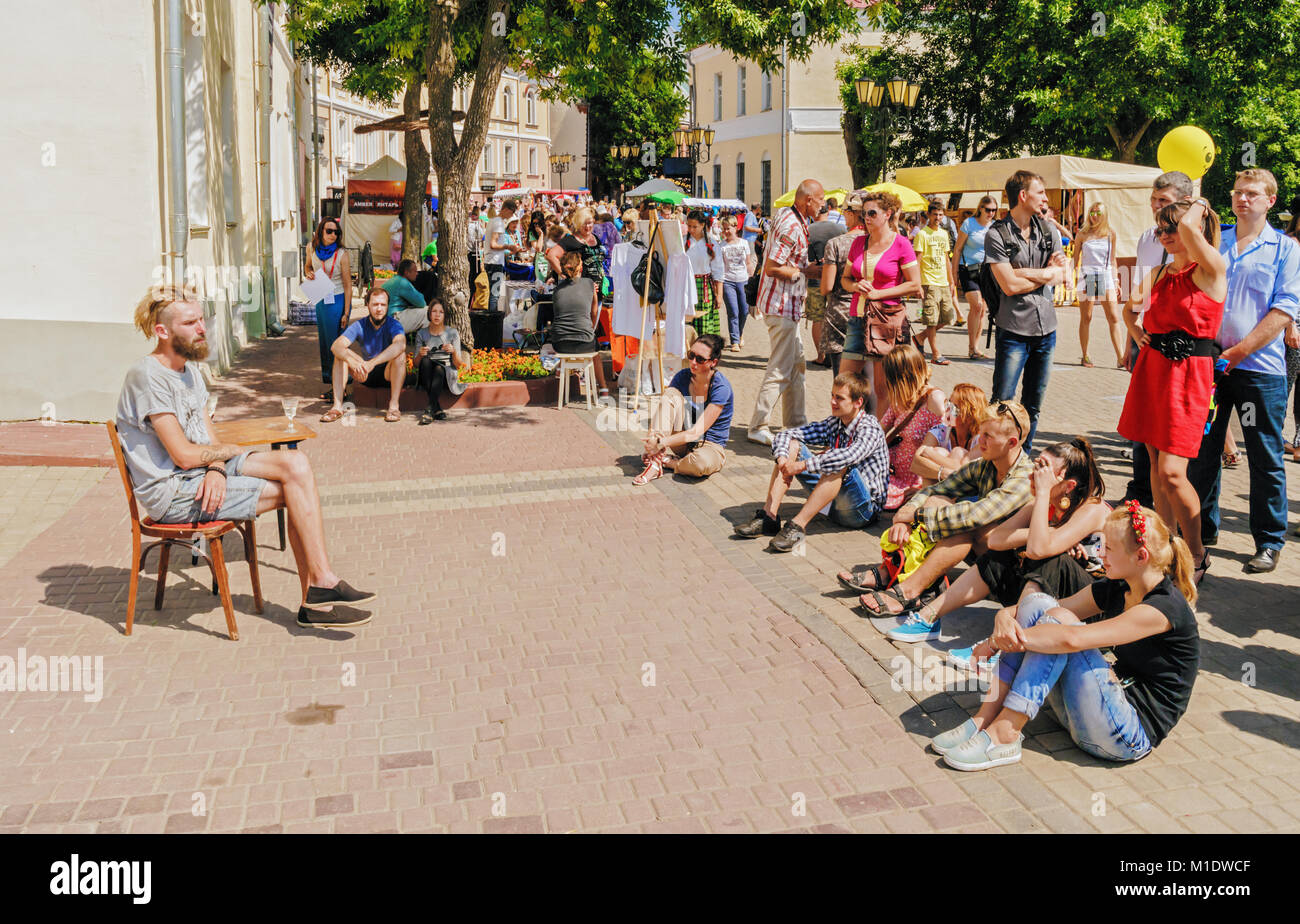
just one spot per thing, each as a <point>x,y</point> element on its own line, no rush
<point>912,200</point>
<point>839,195</point>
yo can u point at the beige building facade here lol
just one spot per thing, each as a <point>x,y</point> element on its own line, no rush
<point>114,182</point>
<point>772,128</point>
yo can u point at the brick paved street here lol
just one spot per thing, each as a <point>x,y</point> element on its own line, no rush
<point>556,650</point>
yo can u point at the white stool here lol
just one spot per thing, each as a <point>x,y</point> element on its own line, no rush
<point>584,365</point>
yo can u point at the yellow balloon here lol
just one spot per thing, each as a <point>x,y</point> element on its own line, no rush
<point>1186,148</point>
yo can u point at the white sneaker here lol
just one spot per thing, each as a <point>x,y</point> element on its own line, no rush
<point>762,436</point>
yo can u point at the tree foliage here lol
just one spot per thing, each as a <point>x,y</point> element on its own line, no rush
<point>1101,79</point>
<point>576,49</point>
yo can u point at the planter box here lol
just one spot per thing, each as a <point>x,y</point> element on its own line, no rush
<point>477,394</point>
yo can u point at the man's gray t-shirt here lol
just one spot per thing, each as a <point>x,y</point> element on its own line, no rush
<point>152,388</point>
<point>1030,314</point>
<point>819,232</point>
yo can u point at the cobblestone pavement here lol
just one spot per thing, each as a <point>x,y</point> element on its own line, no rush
<point>556,650</point>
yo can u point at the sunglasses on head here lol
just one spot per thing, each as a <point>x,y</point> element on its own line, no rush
<point>697,358</point>
<point>1004,410</point>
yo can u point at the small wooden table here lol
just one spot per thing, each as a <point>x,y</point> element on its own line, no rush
<point>258,431</point>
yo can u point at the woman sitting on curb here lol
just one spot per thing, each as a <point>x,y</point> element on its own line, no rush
<point>440,356</point>
<point>953,443</point>
<point>1033,551</point>
<point>692,418</point>
<point>1051,656</point>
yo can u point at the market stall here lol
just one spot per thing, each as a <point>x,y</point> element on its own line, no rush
<point>371,201</point>
<point>1072,182</point>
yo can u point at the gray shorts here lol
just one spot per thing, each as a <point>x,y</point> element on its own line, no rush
<point>240,502</point>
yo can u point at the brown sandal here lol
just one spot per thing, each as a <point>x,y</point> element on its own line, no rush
<point>391,416</point>
<point>331,415</point>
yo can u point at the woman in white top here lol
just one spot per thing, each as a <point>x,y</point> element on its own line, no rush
<point>739,262</point>
<point>708,270</point>
<point>328,255</point>
<point>968,257</point>
<point>1094,268</point>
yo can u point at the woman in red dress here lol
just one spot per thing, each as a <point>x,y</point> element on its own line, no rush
<point>1169,395</point>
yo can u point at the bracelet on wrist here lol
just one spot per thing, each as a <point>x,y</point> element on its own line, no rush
<point>218,470</point>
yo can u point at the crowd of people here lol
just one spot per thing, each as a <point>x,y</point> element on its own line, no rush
<point>1207,328</point>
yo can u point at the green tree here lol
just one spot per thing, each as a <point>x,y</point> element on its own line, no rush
<point>643,115</point>
<point>1100,79</point>
<point>577,48</point>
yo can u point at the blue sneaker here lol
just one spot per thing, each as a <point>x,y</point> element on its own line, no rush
<point>961,658</point>
<point>914,629</point>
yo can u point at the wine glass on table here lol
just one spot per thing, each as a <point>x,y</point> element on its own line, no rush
<point>290,406</point>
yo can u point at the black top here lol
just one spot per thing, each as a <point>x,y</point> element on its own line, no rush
<point>572,300</point>
<point>593,256</point>
<point>1163,666</point>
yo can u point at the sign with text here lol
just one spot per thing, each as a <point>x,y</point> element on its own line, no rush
<point>377,197</point>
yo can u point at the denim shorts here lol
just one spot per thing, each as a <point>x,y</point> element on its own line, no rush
<point>240,502</point>
<point>1095,283</point>
<point>853,507</point>
<point>855,338</point>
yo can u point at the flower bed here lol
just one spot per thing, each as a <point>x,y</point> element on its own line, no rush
<point>503,366</point>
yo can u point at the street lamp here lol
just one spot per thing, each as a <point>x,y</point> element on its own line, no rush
<point>694,143</point>
<point>560,164</point>
<point>902,95</point>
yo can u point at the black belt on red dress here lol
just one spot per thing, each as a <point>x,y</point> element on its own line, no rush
<point>1179,344</point>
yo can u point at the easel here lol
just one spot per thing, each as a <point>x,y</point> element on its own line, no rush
<point>655,239</point>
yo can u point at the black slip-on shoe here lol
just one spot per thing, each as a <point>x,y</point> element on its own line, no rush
<point>312,620</point>
<point>322,598</point>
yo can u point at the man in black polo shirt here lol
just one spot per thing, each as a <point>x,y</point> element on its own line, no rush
<point>1025,271</point>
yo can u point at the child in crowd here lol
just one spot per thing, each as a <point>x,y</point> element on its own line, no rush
<point>954,442</point>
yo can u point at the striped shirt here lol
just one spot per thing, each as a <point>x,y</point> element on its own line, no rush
<point>860,445</point>
<point>993,502</point>
<point>787,245</point>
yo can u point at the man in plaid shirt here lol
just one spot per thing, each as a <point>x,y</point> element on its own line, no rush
<point>849,478</point>
<point>956,514</point>
<point>781,294</point>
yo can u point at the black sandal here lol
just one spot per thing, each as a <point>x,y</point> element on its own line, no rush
<point>1199,573</point>
<point>910,605</point>
<point>883,579</point>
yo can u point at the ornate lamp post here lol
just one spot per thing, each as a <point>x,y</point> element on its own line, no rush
<point>902,96</point>
<point>560,163</point>
<point>694,143</point>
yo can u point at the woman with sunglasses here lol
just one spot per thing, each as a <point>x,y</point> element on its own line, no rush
<point>882,270</point>
<point>969,254</point>
<point>328,256</point>
<point>1094,268</point>
<point>692,419</point>
<point>1169,392</point>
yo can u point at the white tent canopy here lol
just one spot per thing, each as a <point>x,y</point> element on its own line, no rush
<point>650,187</point>
<point>359,228</point>
<point>715,204</point>
<point>1123,188</point>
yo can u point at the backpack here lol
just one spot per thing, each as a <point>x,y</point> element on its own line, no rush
<point>656,278</point>
<point>987,282</point>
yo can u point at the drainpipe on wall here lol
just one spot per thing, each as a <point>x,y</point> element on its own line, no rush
<point>270,310</point>
<point>178,220</point>
<point>315,156</point>
<point>785,129</point>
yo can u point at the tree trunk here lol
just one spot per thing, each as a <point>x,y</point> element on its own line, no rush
<point>1127,146</point>
<point>454,161</point>
<point>417,175</point>
<point>852,124</point>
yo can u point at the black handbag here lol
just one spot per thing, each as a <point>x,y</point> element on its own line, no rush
<point>656,278</point>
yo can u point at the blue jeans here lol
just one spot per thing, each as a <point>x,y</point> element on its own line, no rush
<point>1260,400</point>
<point>853,507</point>
<point>329,318</point>
<point>1081,689</point>
<point>1032,356</point>
<point>733,293</point>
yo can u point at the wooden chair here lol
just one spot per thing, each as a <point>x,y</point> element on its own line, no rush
<point>184,534</point>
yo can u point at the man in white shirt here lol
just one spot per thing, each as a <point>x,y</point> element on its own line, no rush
<point>498,246</point>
